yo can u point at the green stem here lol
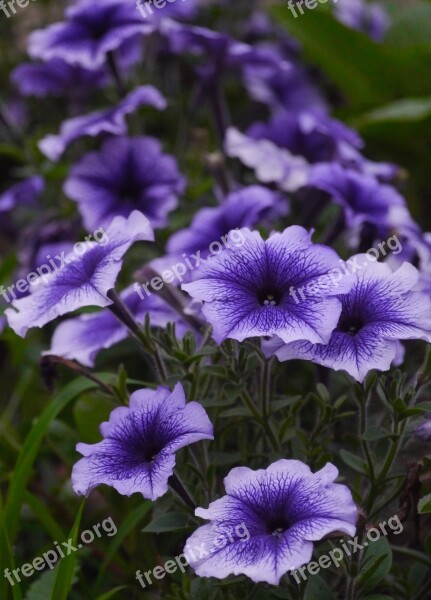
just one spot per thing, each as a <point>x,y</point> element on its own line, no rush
<point>180,489</point>
<point>124,315</point>
<point>266,388</point>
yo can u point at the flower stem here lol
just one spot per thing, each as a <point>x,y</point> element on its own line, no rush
<point>149,348</point>
<point>115,71</point>
<point>180,489</point>
<point>48,361</point>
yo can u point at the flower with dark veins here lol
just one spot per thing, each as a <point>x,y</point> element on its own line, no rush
<point>285,508</point>
<point>138,451</point>
<point>380,310</point>
<point>83,280</point>
<point>250,290</point>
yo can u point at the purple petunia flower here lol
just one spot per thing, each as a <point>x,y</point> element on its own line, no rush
<point>137,453</point>
<point>250,290</point>
<point>24,192</point>
<point>127,174</point>
<point>423,430</point>
<point>285,508</point>
<point>93,29</point>
<point>270,163</point>
<point>243,208</point>
<point>310,134</point>
<point>362,197</point>
<point>111,120</point>
<point>85,336</point>
<point>369,17</point>
<point>83,280</point>
<point>222,52</point>
<point>379,310</point>
<point>171,10</point>
<point>56,78</point>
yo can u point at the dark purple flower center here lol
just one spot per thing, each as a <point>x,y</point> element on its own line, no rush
<point>96,24</point>
<point>269,297</point>
<point>276,527</point>
<point>130,191</point>
<point>350,324</point>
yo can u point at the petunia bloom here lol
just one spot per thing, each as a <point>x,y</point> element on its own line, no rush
<point>285,508</point>
<point>243,208</point>
<point>84,279</point>
<point>92,30</point>
<point>369,17</point>
<point>137,453</point>
<point>56,78</point>
<point>111,120</point>
<point>127,174</point>
<point>24,192</point>
<point>270,163</point>
<point>83,337</point>
<point>363,198</point>
<point>380,310</point>
<point>250,290</point>
<point>423,430</point>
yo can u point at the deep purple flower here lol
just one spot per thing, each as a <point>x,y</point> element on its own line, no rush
<point>270,163</point>
<point>111,120</point>
<point>379,310</point>
<point>283,85</point>
<point>22,193</point>
<point>83,337</point>
<point>250,290</point>
<point>221,52</point>
<point>127,174</point>
<point>137,453</point>
<point>423,430</point>
<point>83,280</point>
<point>363,198</point>
<point>244,208</point>
<point>56,78</point>
<point>172,9</point>
<point>310,134</point>
<point>285,508</point>
<point>93,29</point>
<point>369,17</point>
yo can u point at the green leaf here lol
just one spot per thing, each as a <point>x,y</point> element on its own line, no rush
<point>131,521</point>
<point>409,109</point>
<point>353,62</point>
<point>375,433</point>
<point>111,593</point>
<point>30,450</point>
<point>66,570</point>
<point>7,560</point>
<point>376,564</point>
<point>369,74</point>
<point>317,588</point>
<point>424,505</point>
<point>89,411</point>
<point>354,462</point>
<point>43,514</point>
<point>173,521</point>
<point>411,26</point>
<point>42,588</point>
